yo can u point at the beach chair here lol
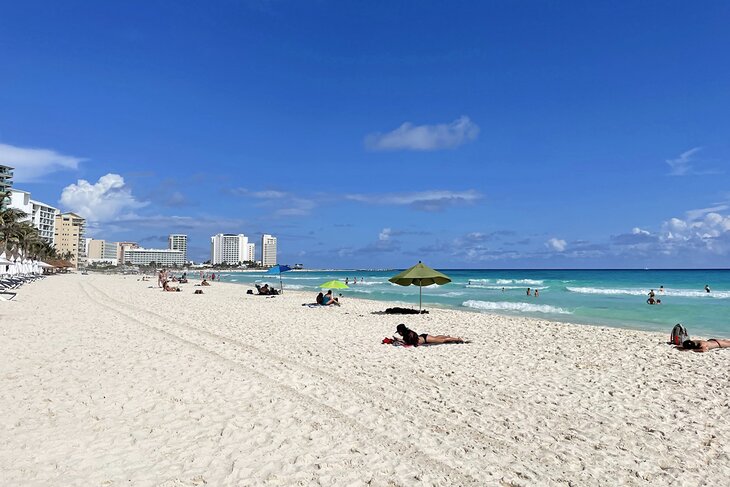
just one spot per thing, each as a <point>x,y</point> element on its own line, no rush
<point>6,292</point>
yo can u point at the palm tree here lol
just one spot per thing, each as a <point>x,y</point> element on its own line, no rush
<point>11,230</point>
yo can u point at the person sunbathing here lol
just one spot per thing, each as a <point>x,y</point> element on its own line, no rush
<point>205,283</point>
<point>704,345</point>
<point>410,337</point>
<point>168,288</point>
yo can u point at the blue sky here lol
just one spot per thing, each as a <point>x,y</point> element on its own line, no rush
<point>373,134</point>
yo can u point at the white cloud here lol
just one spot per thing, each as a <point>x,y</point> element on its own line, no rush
<point>425,137</point>
<point>695,214</point>
<point>270,194</point>
<point>639,231</point>
<point>556,244</point>
<point>425,200</point>
<point>102,201</point>
<point>681,166</point>
<point>33,164</point>
<point>385,234</point>
<point>296,207</point>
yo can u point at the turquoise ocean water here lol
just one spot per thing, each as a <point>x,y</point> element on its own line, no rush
<point>601,297</point>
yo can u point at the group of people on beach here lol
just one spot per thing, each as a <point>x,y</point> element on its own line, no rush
<point>165,278</point>
<point>327,299</point>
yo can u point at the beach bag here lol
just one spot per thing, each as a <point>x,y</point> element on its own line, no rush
<point>679,335</point>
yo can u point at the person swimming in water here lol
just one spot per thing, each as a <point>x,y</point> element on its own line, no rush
<point>707,288</point>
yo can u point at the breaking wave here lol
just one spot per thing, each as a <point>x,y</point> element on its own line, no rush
<point>484,286</point>
<point>686,293</point>
<point>509,306</point>
<point>503,282</point>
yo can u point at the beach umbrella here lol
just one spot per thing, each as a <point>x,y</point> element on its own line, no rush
<point>420,275</point>
<point>334,285</point>
<point>278,269</point>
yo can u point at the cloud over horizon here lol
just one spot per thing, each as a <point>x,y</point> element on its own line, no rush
<point>101,201</point>
<point>32,164</point>
<point>424,137</point>
<point>435,200</point>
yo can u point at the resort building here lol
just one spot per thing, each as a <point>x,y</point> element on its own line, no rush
<point>268,250</point>
<point>101,251</point>
<point>159,257</point>
<point>250,252</point>
<point>6,182</point>
<point>40,215</point>
<point>122,247</point>
<point>178,241</point>
<point>228,248</point>
<point>68,237</point>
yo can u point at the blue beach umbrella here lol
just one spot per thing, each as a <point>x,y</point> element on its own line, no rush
<point>278,269</point>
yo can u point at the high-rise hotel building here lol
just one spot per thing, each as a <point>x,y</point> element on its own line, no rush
<point>268,250</point>
<point>6,182</point>
<point>69,237</point>
<point>228,248</point>
<point>38,214</point>
<point>177,241</point>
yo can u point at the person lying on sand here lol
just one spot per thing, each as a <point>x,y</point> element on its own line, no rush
<point>704,345</point>
<point>168,288</point>
<point>205,283</point>
<point>410,337</point>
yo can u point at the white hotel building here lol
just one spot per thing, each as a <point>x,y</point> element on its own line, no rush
<point>229,248</point>
<point>40,215</point>
<point>268,250</point>
<point>178,241</point>
<point>161,257</point>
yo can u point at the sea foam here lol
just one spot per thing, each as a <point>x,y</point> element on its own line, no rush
<point>686,293</point>
<point>533,282</point>
<point>509,306</point>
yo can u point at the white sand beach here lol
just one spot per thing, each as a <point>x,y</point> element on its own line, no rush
<point>106,381</point>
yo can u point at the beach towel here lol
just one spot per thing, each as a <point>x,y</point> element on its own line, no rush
<point>403,311</point>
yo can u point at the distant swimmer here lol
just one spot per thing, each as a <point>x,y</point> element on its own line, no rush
<point>528,291</point>
<point>707,288</point>
<point>347,280</point>
<point>651,293</point>
<point>502,289</point>
<point>661,289</point>
<point>537,293</point>
<point>651,300</point>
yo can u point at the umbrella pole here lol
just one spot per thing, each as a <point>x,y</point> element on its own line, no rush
<point>420,297</point>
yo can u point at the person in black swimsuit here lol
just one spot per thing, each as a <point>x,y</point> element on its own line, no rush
<point>704,345</point>
<point>410,337</point>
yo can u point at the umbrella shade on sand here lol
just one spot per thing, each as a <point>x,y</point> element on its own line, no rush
<point>420,275</point>
<point>334,285</point>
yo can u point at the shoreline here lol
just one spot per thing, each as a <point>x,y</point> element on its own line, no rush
<point>627,325</point>
<point>132,384</point>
